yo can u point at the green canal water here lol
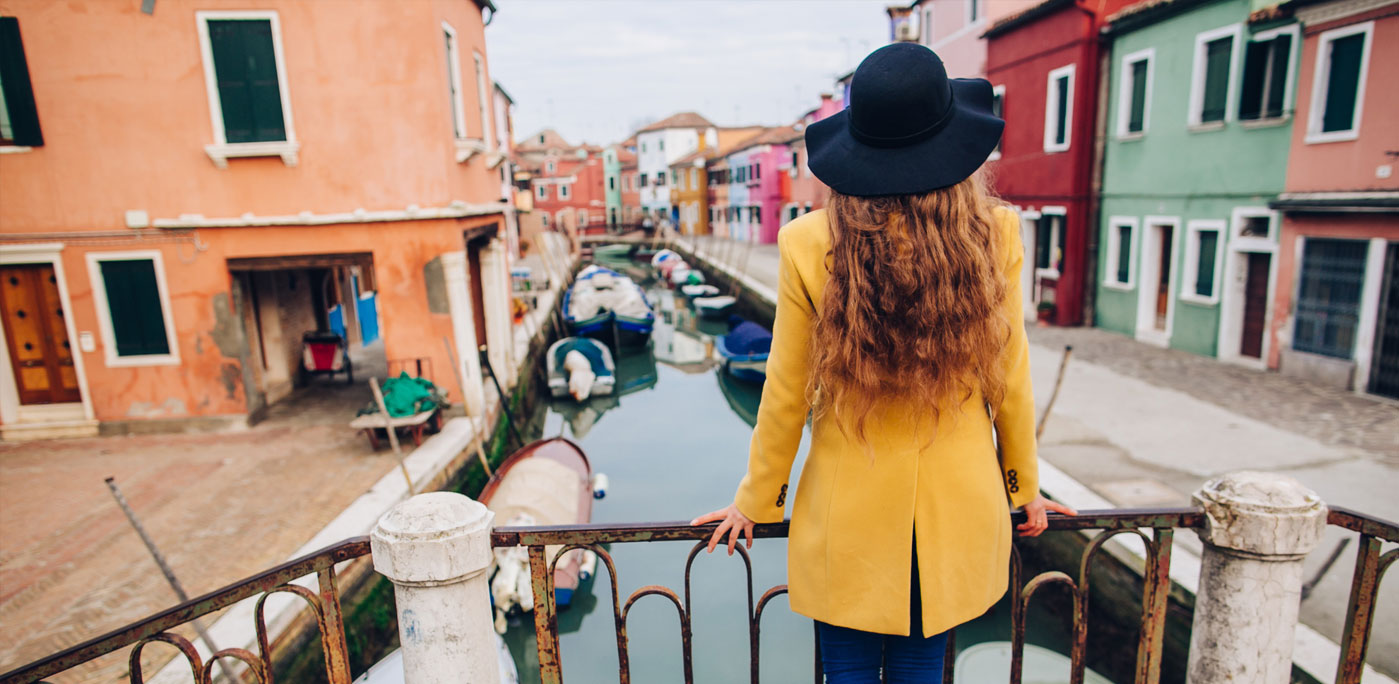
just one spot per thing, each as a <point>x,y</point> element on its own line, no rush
<point>674,444</point>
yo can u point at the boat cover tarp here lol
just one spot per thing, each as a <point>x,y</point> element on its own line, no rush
<point>588,348</point>
<point>746,338</point>
<point>541,488</point>
<point>406,396</point>
<point>601,290</point>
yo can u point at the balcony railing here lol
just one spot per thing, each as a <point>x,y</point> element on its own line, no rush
<point>1154,526</point>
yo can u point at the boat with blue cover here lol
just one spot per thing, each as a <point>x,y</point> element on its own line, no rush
<point>607,305</point>
<point>580,367</point>
<point>745,349</point>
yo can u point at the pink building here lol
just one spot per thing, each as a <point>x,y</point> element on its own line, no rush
<point>804,192</point>
<point>953,28</point>
<point>762,159</point>
<point>1336,314</point>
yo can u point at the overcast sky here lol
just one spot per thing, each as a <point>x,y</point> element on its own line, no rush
<point>595,70</point>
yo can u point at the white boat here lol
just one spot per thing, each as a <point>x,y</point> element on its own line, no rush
<point>714,307</point>
<point>990,662</point>
<point>594,375</point>
<point>390,669</point>
<point>701,290</point>
<point>663,255</point>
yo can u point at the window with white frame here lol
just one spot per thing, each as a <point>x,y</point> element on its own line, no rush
<point>582,217</point>
<point>974,11</point>
<point>544,220</point>
<point>454,92</point>
<point>541,191</point>
<point>549,167</point>
<point>133,308</point>
<point>1266,88</point>
<point>925,30</point>
<point>245,76</point>
<point>1049,243</point>
<point>1120,272</point>
<point>1059,110</point>
<point>1204,241</point>
<point>564,190</point>
<point>1134,93</point>
<point>998,99</point>
<point>19,119</point>
<point>694,179</point>
<point>1213,82</point>
<point>1338,86</point>
<point>1254,225</point>
<point>807,209</point>
<point>480,64</point>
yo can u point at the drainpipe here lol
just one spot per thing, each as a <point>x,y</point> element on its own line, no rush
<point>1258,529</point>
<point>1093,214</point>
<point>436,549</point>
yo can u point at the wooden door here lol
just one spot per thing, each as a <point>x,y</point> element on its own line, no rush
<point>1163,279</point>
<point>1255,304</point>
<point>37,337</point>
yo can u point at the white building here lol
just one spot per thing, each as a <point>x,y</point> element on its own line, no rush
<point>661,144</point>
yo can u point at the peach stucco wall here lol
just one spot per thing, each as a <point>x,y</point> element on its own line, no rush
<point>1350,165</point>
<point>125,114</point>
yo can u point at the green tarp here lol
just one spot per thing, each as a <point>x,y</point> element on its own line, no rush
<point>406,396</point>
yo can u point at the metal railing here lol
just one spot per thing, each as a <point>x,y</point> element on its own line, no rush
<point>1154,526</point>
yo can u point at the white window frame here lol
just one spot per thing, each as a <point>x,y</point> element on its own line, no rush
<point>1124,95</point>
<point>220,151</point>
<point>998,91</point>
<point>1063,214</point>
<point>1197,78</point>
<point>971,9</point>
<point>1146,297</point>
<point>565,191</point>
<point>544,219</point>
<point>1190,269</point>
<point>925,26</point>
<point>542,191</point>
<point>479,63</point>
<point>1051,107</point>
<point>1237,241</point>
<point>1289,85</point>
<point>104,312</point>
<point>1114,250</point>
<point>1321,77</point>
<point>454,80</point>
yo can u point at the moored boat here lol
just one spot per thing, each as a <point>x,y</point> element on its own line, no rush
<point>714,307</point>
<point>547,482</point>
<point>580,367</point>
<point>603,303</point>
<point>990,662</point>
<point>700,290</point>
<point>745,349</point>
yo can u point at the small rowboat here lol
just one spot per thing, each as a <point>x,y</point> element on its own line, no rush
<point>547,482</point>
<point>565,381</point>
<point>602,299</point>
<point>701,290</point>
<point>745,349</point>
<point>714,307</point>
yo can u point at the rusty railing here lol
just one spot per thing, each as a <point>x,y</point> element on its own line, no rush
<point>1154,526</point>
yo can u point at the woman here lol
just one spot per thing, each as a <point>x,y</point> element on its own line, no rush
<point>899,330</point>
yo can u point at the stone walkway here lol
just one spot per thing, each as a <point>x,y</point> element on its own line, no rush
<point>220,506</point>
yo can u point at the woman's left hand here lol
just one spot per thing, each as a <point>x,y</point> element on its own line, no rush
<point>1036,517</point>
<point>733,521</point>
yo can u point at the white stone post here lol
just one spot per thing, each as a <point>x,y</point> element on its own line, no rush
<point>1258,528</point>
<point>436,548</point>
<point>464,331</point>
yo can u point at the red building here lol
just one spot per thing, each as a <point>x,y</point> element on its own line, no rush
<point>1043,63</point>
<point>567,182</point>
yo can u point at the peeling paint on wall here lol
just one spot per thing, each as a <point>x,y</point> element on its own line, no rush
<point>230,374</point>
<point>169,408</point>
<point>228,329</point>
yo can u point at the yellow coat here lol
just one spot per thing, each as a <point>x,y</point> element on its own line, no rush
<point>853,518</point>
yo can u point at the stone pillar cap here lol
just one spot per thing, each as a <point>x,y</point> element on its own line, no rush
<point>1260,513</point>
<point>432,539</point>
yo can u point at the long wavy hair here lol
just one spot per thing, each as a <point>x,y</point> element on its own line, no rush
<point>911,313</point>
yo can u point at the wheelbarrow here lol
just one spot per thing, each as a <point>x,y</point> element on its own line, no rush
<point>326,353</point>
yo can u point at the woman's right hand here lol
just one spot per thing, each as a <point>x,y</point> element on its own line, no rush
<point>733,521</point>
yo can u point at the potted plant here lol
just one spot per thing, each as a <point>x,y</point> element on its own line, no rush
<point>1044,313</point>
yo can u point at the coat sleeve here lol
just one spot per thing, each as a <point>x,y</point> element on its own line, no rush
<point>1015,417</point>
<point>762,495</point>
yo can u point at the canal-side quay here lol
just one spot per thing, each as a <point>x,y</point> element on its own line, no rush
<point>673,443</point>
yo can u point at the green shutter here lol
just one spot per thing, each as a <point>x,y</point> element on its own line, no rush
<point>1124,253</point>
<point>1062,123</point>
<point>1343,83</point>
<point>245,66</point>
<point>1254,80</point>
<point>1204,274</point>
<point>1136,119</point>
<point>1277,77</point>
<point>1217,54</point>
<point>133,299</point>
<point>1044,230</point>
<point>16,92</point>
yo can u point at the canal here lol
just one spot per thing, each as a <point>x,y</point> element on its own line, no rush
<point>674,443</point>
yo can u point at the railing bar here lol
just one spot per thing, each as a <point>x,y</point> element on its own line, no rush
<point>184,612</point>
<point>1156,593</point>
<point>337,656</point>
<point>545,625</point>
<point>1356,521</point>
<point>1360,613</point>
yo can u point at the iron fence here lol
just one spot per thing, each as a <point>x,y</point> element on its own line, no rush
<point>1154,526</point>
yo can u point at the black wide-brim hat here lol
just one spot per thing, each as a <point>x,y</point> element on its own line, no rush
<point>907,129</point>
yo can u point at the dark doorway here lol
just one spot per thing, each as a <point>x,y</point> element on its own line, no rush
<point>1163,279</point>
<point>1384,370</point>
<point>1255,304</point>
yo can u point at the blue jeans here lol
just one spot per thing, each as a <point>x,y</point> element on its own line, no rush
<point>852,656</point>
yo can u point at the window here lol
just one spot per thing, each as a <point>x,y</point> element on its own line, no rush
<point>245,76</point>
<point>133,308</point>
<point>582,217</point>
<point>661,144</point>
<point>792,212</point>
<point>549,168</point>
<point>482,99</point>
<point>1049,244</point>
<point>1122,241</point>
<point>757,171</point>
<point>643,147</point>
<point>1204,239</point>
<point>1338,89</point>
<point>564,191</point>
<point>998,97</point>
<point>1267,78</point>
<point>454,94</point>
<point>660,179</point>
<point>542,191</point>
<point>756,215</point>
<point>611,182</point>
<point>19,120</point>
<point>1134,93</point>
<point>973,11</point>
<point>544,220</point>
<point>1328,296</point>
<point>925,31</point>
<point>1212,86</point>
<point>694,179</point>
<point>1059,109</point>
<point>808,208</point>
<point>541,139</point>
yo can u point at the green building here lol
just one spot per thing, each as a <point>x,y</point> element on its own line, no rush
<point>612,174</point>
<point>1199,122</point>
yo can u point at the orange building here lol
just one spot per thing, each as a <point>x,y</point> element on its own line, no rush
<point>191,189</point>
<point>689,179</point>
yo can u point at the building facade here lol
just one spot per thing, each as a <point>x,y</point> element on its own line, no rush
<point>1335,312</point>
<point>568,183</point>
<point>186,194</point>
<point>953,28</point>
<point>658,146</point>
<point>1199,121</point>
